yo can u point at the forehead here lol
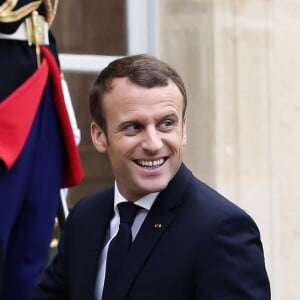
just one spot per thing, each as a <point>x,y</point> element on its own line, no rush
<point>126,96</point>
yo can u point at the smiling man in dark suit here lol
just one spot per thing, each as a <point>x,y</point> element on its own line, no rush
<point>188,241</point>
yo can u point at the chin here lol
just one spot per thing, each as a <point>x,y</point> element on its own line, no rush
<point>155,187</point>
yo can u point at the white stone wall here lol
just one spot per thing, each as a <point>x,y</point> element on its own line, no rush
<point>241,62</point>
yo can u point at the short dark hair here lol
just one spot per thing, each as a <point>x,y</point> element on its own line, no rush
<point>143,70</point>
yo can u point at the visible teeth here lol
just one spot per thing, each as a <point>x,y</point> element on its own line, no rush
<point>151,163</point>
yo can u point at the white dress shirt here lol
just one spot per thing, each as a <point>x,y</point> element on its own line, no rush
<point>146,203</point>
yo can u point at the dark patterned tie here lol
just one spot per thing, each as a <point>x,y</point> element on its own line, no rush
<point>119,247</point>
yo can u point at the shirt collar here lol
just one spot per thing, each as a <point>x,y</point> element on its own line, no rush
<point>145,202</point>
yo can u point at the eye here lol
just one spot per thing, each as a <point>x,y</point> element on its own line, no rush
<point>131,128</point>
<point>166,124</point>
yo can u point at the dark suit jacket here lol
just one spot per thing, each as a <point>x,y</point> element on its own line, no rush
<point>206,248</point>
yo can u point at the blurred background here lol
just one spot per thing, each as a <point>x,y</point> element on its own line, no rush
<point>240,60</point>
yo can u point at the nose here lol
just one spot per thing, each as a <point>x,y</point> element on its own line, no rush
<point>152,141</point>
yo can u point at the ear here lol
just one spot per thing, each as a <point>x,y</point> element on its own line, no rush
<point>99,138</point>
<point>184,135</point>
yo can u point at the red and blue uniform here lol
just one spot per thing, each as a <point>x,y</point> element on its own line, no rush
<point>38,156</point>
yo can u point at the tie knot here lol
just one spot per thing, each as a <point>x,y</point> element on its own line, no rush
<point>127,211</point>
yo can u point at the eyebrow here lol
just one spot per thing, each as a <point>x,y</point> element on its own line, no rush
<point>171,115</point>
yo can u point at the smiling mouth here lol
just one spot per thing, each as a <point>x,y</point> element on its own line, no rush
<point>150,164</point>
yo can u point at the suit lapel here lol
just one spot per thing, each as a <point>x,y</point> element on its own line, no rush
<point>156,223</point>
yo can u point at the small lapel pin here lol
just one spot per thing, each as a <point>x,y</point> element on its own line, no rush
<point>157,225</point>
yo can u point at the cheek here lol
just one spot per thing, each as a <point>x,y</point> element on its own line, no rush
<point>184,138</point>
<point>124,147</point>
<point>175,142</point>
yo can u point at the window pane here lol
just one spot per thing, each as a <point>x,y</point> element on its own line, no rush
<point>91,27</point>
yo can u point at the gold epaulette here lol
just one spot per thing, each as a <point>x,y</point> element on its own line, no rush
<point>8,15</point>
<point>34,22</point>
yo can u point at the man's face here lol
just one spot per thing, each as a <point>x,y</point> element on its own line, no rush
<point>145,136</point>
